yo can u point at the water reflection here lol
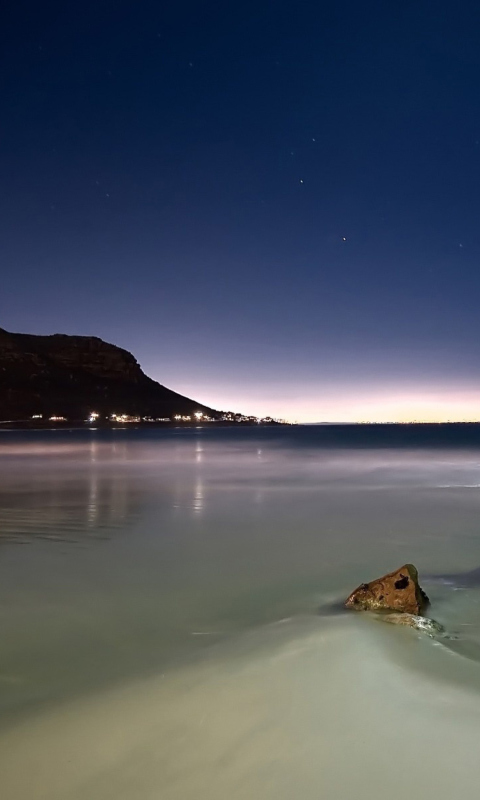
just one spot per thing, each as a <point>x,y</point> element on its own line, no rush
<point>198,453</point>
<point>198,496</point>
<point>76,492</point>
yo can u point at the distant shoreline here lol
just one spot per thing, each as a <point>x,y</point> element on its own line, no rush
<point>82,425</point>
<point>37,425</point>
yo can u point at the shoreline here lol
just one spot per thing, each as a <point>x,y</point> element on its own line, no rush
<point>78,425</point>
<point>85,425</point>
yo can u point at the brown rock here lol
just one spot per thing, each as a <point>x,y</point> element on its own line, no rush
<point>397,591</point>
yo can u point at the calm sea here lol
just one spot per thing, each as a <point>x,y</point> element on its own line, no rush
<point>167,625</point>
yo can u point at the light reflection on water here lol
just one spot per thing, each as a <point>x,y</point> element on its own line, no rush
<point>175,556</point>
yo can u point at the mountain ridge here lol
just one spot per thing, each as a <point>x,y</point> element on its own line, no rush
<point>74,376</point>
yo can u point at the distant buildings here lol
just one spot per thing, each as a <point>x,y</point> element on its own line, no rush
<point>94,417</point>
<point>124,418</point>
<point>251,420</point>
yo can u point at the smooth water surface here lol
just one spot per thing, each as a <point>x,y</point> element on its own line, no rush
<point>164,625</point>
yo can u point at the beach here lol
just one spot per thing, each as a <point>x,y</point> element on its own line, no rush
<point>166,603</point>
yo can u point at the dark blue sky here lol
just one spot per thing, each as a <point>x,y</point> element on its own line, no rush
<point>274,205</point>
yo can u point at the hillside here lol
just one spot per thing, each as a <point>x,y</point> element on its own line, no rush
<point>73,376</point>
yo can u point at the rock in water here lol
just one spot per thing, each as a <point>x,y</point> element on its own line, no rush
<point>397,591</point>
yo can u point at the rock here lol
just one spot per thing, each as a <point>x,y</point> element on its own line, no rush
<point>397,591</point>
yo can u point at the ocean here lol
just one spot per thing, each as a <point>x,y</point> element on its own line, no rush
<point>171,623</point>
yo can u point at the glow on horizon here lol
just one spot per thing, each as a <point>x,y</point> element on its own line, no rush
<point>351,405</point>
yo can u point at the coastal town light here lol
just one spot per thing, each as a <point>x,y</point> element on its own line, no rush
<point>198,415</point>
<point>124,418</point>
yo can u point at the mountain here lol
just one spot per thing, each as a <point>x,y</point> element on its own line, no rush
<point>73,376</point>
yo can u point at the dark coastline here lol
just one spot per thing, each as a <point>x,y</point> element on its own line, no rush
<point>79,425</point>
<point>448,435</point>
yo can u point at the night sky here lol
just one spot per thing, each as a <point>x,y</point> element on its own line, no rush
<point>274,205</point>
